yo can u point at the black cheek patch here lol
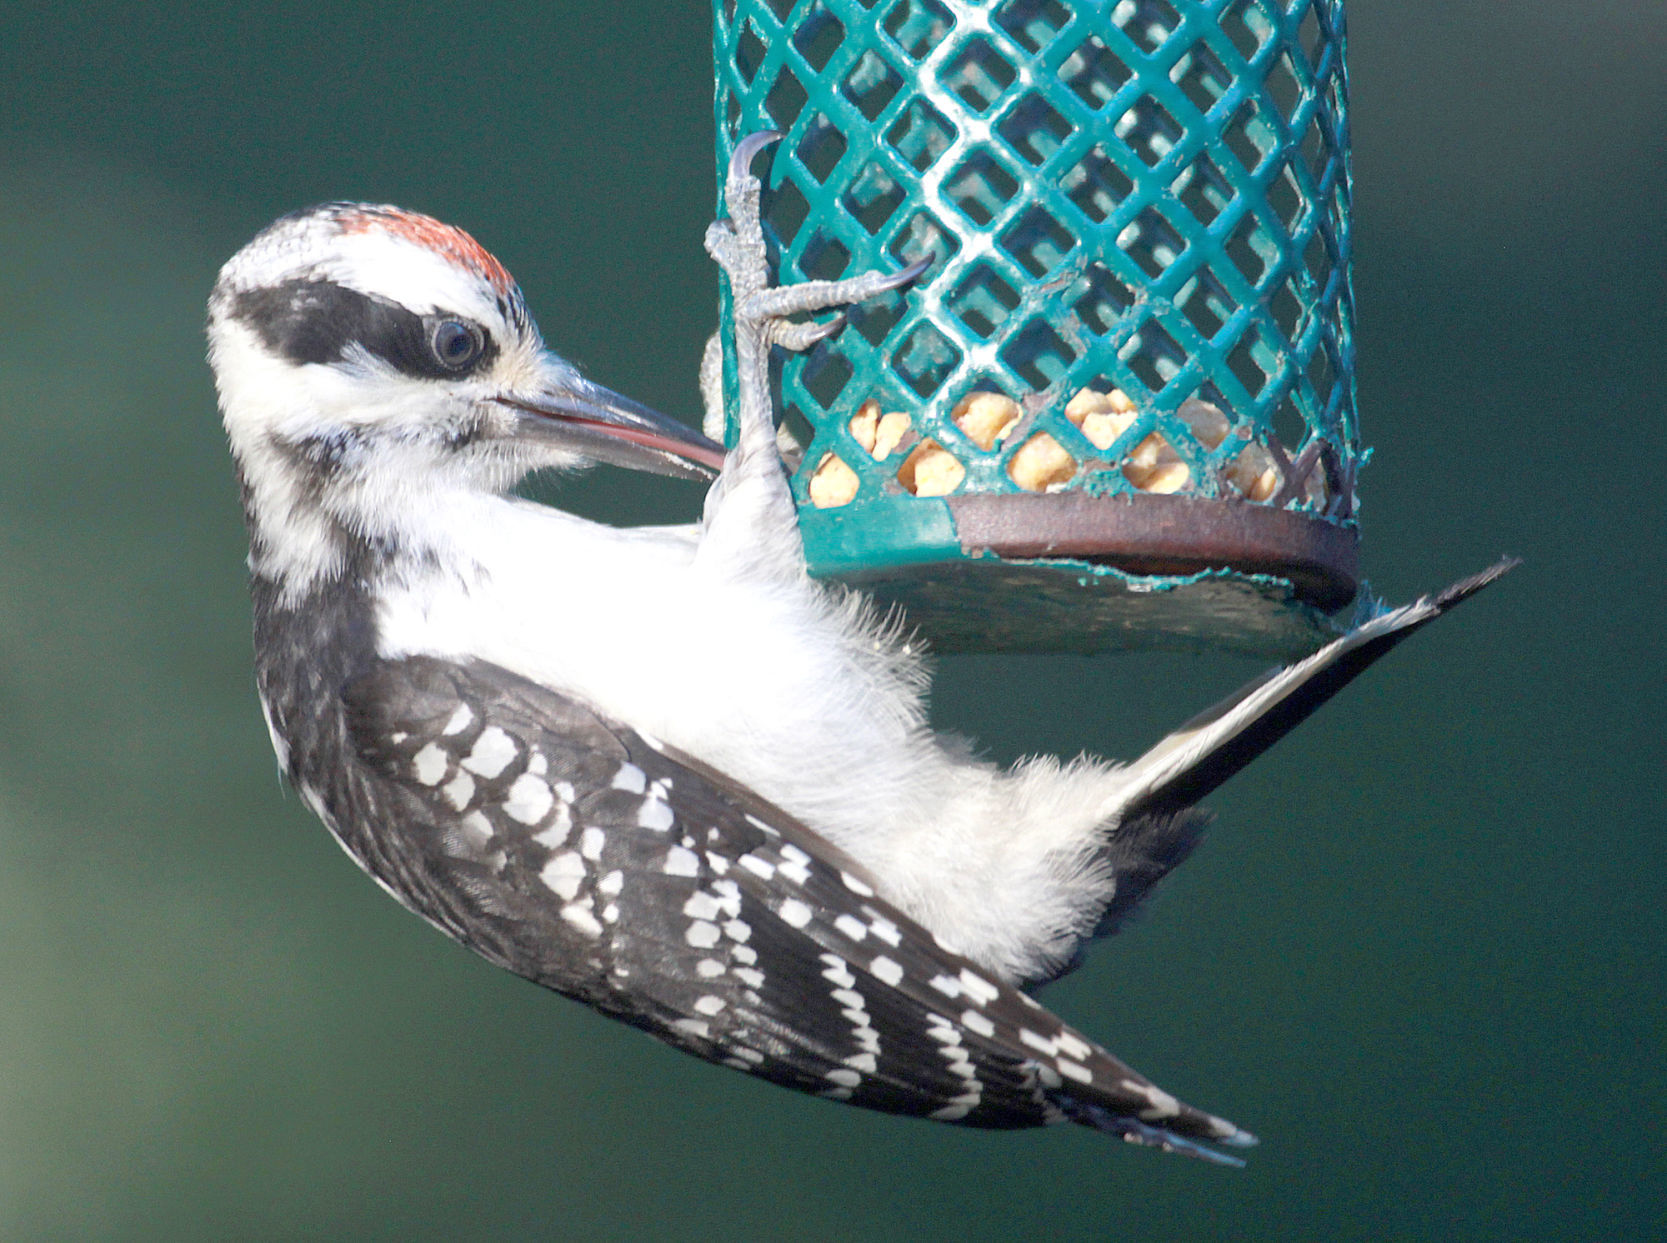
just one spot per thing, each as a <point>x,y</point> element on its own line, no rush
<point>316,321</point>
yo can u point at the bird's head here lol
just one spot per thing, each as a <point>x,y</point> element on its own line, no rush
<point>368,357</point>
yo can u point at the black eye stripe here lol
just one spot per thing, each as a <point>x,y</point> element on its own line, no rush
<point>316,321</point>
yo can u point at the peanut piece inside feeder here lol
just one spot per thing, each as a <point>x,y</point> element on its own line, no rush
<point>833,484</point>
<point>1102,417</point>
<point>931,470</point>
<point>1041,463</point>
<point>1253,473</point>
<point>985,417</point>
<point>879,433</point>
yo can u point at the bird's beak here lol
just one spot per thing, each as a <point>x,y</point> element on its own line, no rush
<point>572,413</point>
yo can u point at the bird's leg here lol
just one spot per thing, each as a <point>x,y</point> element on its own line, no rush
<point>712,388</point>
<point>750,517</point>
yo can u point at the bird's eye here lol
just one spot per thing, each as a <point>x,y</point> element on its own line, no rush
<point>456,343</point>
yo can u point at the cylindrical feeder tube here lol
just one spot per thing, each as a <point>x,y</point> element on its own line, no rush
<point>1119,407</point>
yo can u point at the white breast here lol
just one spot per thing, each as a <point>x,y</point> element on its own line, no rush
<point>767,681</point>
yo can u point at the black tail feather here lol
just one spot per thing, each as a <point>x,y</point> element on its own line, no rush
<point>1354,654</point>
<point>1141,852</point>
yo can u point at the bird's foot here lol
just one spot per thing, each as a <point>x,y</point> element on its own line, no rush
<point>763,313</point>
<point>738,246</point>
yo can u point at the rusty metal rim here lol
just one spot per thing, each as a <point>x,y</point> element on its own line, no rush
<point>1145,534</point>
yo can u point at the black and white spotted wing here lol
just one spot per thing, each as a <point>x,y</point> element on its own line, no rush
<point>598,862</point>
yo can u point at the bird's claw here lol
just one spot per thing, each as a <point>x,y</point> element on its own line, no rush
<point>740,160</point>
<point>802,335</point>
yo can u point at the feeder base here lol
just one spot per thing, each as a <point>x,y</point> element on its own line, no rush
<point>1070,572</point>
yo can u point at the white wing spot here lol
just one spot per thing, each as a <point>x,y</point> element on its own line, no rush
<point>681,861</point>
<point>1163,1104</point>
<point>702,935</point>
<point>758,867</point>
<point>493,752</point>
<point>429,765</point>
<point>1072,1045</point>
<point>529,799</point>
<point>740,930</point>
<point>611,884</point>
<point>563,875</point>
<point>960,1106</point>
<point>631,778</point>
<point>978,988</point>
<point>460,720</point>
<point>578,914</point>
<point>948,985</point>
<point>693,1027</point>
<point>838,973</point>
<point>1075,1070</point>
<point>459,790</point>
<point>729,896</point>
<point>709,1005</point>
<point>557,833</point>
<point>537,765</point>
<point>752,977</point>
<point>1038,1042</point>
<point>655,814</point>
<point>864,1062</point>
<point>478,827</point>
<point>883,928</point>
<point>701,905</point>
<point>844,1077</point>
<point>886,971</point>
<point>856,886</point>
<point>942,1030</point>
<point>709,968</point>
<point>852,927</point>
<point>973,1021</point>
<point>591,842</point>
<point>794,913</point>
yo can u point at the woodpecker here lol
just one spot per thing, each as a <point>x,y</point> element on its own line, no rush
<point>661,770</point>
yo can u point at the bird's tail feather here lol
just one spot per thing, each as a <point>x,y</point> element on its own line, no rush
<point>1202,754</point>
<point>1152,1135</point>
<point>1140,853</point>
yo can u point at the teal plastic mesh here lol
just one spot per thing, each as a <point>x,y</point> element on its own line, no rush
<point>1143,195</point>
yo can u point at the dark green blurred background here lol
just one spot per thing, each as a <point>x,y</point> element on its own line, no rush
<point>1421,953</point>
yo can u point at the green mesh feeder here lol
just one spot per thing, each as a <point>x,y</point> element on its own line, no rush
<point>1118,408</point>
